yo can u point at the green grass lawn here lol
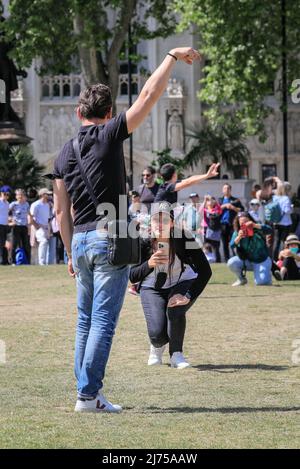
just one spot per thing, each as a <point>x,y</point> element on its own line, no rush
<point>241,392</point>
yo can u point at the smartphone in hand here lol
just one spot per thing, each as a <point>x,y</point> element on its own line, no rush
<point>247,230</point>
<point>164,247</point>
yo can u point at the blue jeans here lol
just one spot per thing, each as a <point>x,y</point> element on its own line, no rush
<point>100,294</point>
<point>262,271</point>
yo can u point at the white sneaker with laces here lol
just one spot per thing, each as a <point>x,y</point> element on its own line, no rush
<point>178,361</point>
<point>99,404</point>
<point>240,282</point>
<point>155,356</point>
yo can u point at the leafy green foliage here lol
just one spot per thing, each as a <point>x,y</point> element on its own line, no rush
<point>45,29</point>
<point>242,44</point>
<point>19,168</point>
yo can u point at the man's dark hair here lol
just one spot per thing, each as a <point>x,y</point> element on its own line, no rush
<point>166,171</point>
<point>95,101</point>
<point>227,184</point>
<point>150,169</point>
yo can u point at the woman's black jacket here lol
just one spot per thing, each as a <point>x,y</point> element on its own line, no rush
<point>188,252</point>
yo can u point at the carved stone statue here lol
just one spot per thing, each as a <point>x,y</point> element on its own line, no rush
<point>270,143</point>
<point>49,123</point>
<point>175,133</point>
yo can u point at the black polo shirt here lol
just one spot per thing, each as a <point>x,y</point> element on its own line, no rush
<point>101,148</point>
<point>167,192</point>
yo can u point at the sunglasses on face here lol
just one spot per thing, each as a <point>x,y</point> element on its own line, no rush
<point>6,193</point>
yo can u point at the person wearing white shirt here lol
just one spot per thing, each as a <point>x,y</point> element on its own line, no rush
<point>40,213</point>
<point>283,228</point>
<point>4,208</point>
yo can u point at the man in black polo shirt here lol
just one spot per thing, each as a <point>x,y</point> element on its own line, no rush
<point>101,287</point>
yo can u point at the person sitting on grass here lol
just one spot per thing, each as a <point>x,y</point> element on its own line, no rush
<point>249,242</point>
<point>172,274</point>
<point>289,259</point>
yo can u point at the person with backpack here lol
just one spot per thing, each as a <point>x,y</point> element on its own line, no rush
<point>252,253</point>
<point>212,216</point>
<point>88,172</point>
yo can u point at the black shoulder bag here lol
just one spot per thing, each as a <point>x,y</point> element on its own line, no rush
<point>120,250</point>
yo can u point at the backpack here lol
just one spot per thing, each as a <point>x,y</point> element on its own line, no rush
<point>214,221</point>
<point>21,258</point>
<point>273,212</point>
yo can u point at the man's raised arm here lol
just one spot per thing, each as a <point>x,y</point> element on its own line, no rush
<point>156,85</point>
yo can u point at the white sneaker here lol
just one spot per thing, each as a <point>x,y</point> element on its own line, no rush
<point>178,361</point>
<point>155,356</point>
<point>99,404</point>
<point>240,282</point>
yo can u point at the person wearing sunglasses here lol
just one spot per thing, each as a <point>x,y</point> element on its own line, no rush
<point>255,210</point>
<point>149,188</point>
<point>4,209</point>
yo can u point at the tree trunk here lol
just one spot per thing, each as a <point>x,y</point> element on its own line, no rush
<point>93,68</point>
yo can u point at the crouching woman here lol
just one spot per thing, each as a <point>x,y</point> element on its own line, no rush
<point>172,274</point>
<point>249,243</point>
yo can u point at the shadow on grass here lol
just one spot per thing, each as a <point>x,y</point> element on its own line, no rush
<point>233,296</point>
<point>219,410</point>
<point>235,368</point>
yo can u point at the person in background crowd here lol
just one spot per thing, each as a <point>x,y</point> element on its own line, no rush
<point>135,206</point>
<point>19,211</point>
<point>254,190</point>
<point>40,216</point>
<point>209,253</point>
<point>249,241</point>
<point>254,210</point>
<point>212,216</point>
<point>283,227</point>
<point>191,218</point>
<point>289,259</point>
<point>167,295</point>
<point>230,207</point>
<point>168,191</point>
<point>134,212</point>
<point>32,196</point>
<point>149,188</point>
<point>265,196</point>
<point>4,209</point>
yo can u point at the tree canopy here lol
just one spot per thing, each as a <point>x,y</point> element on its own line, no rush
<point>95,31</point>
<point>242,44</point>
